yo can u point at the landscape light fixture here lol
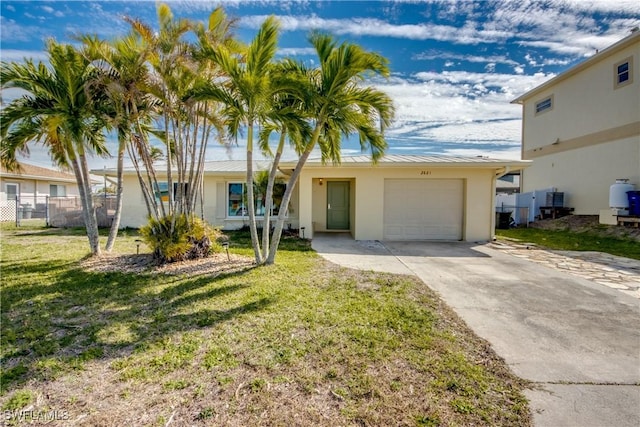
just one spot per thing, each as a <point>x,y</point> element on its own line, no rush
<point>225,245</point>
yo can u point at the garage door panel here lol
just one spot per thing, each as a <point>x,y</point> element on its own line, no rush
<point>423,209</point>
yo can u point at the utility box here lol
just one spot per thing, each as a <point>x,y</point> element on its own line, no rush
<point>555,199</point>
<point>610,216</point>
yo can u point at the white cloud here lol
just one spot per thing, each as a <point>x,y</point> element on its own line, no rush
<point>457,107</point>
<point>296,51</point>
<point>431,55</point>
<point>510,153</point>
<point>376,27</point>
<point>11,31</point>
<point>564,27</point>
<point>14,55</point>
<point>52,11</point>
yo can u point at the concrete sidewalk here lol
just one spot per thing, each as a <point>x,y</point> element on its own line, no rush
<point>579,340</point>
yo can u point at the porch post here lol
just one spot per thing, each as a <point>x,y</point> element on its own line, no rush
<point>305,205</point>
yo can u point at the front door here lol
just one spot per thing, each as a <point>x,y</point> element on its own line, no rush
<point>338,205</point>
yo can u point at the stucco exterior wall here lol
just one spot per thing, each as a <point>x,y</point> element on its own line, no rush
<point>584,104</point>
<point>585,175</point>
<point>590,137</point>
<point>32,189</point>
<point>134,212</point>
<point>367,193</point>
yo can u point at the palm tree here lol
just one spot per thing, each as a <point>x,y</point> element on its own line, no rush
<point>57,111</point>
<point>339,106</point>
<point>176,67</point>
<point>124,73</point>
<point>287,117</point>
<point>169,76</point>
<point>247,97</point>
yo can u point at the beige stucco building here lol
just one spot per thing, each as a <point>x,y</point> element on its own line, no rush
<point>30,186</point>
<point>399,198</point>
<point>581,129</point>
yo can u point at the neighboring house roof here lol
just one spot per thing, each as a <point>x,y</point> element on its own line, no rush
<point>27,171</point>
<point>603,54</point>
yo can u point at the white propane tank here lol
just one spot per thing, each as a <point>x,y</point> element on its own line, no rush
<point>618,198</point>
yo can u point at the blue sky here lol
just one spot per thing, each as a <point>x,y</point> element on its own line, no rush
<point>456,65</point>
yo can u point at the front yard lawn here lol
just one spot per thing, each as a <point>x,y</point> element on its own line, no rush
<point>219,342</point>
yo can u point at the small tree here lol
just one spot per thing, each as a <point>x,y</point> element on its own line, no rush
<point>180,239</point>
<point>127,108</point>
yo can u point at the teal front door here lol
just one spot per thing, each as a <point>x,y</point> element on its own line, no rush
<point>338,205</point>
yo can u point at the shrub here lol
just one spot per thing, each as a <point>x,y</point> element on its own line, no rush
<point>180,238</point>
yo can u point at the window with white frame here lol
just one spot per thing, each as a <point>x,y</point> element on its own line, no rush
<point>623,72</point>
<point>11,190</point>
<point>57,190</point>
<point>544,105</point>
<point>237,199</point>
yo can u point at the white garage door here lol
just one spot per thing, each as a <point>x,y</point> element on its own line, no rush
<point>429,209</point>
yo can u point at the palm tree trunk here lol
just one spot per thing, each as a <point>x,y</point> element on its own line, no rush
<point>255,242</point>
<point>81,171</point>
<point>284,207</point>
<point>115,225</point>
<point>286,198</point>
<point>147,192</point>
<point>266,226</point>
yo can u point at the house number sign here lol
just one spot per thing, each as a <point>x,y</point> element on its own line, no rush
<point>425,172</point>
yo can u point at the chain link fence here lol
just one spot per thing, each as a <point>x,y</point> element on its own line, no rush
<point>56,211</point>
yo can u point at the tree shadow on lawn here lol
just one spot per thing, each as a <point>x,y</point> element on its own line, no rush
<point>56,318</point>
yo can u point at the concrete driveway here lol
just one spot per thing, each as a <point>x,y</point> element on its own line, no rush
<point>578,340</point>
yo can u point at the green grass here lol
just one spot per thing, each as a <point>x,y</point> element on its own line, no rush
<point>574,241</point>
<point>300,342</point>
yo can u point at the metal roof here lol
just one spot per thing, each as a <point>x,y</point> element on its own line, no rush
<point>236,167</point>
<point>410,160</point>
<point>212,166</point>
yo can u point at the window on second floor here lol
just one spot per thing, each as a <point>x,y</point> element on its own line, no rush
<point>544,105</point>
<point>623,72</point>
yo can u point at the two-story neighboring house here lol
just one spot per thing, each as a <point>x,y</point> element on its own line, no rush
<point>581,129</point>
